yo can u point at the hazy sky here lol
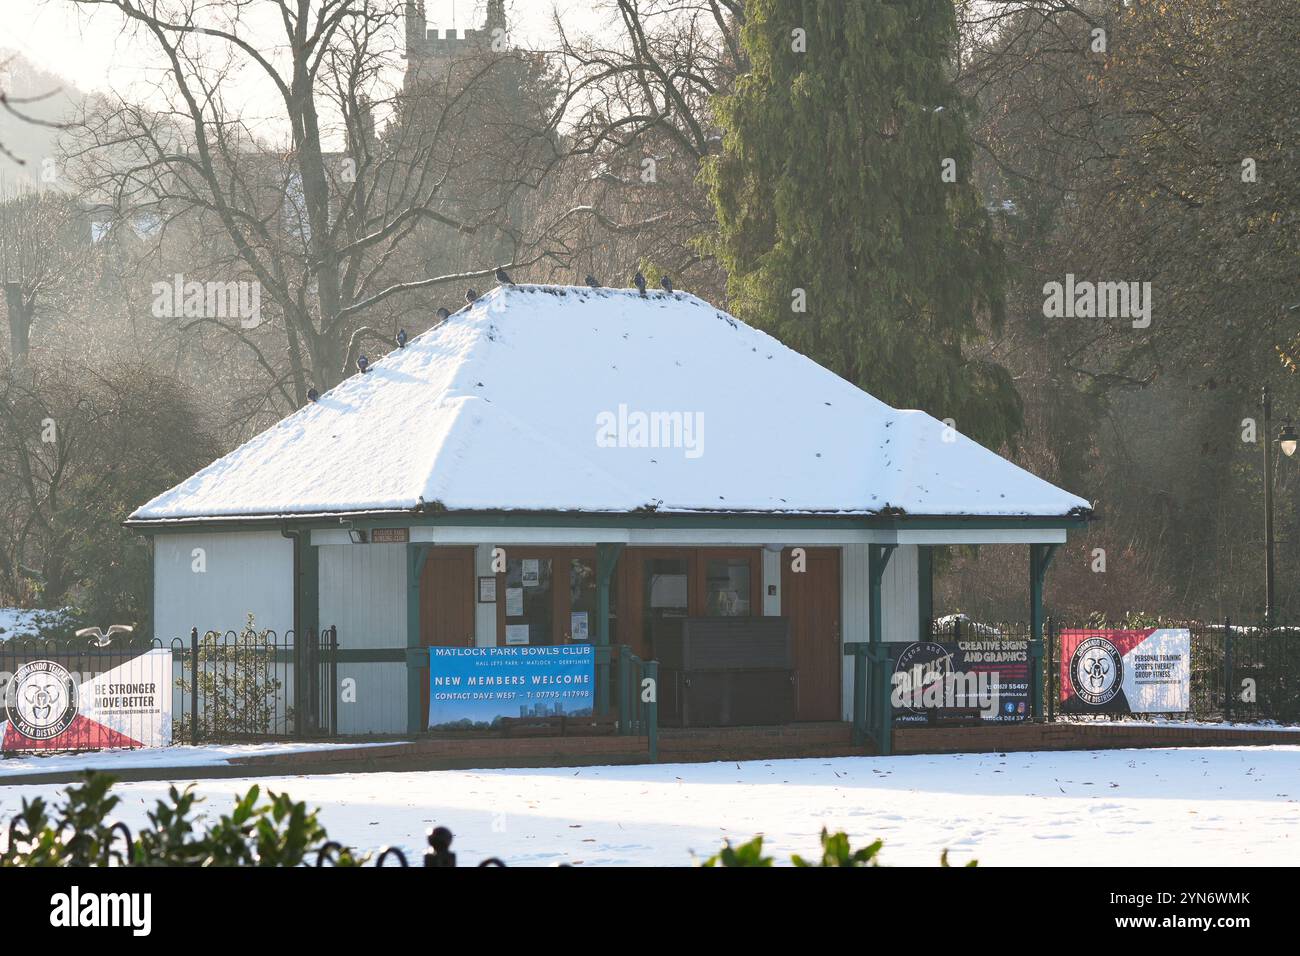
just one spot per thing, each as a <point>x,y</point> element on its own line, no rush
<point>88,48</point>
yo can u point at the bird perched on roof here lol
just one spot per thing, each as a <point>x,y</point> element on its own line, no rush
<point>312,394</point>
<point>363,363</point>
<point>503,277</point>
<point>638,280</point>
<point>593,281</point>
<point>401,338</point>
<point>442,313</point>
<point>666,282</point>
<point>471,295</point>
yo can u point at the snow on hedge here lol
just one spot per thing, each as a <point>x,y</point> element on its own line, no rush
<point>22,622</point>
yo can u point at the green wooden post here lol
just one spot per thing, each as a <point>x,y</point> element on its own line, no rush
<point>1040,556</point>
<point>606,562</point>
<point>924,589</point>
<point>309,586</point>
<point>858,651</point>
<point>878,556</point>
<point>651,671</point>
<point>624,679</point>
<point>308,606</point>
<point>417,655</point>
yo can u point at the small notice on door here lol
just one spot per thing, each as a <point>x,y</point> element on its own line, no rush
<point>531,572</point>
<point>516,633</point>
<point>514,602</point>
<point>578,629</point>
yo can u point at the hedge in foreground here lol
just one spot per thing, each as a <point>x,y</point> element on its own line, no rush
<point>276,832</point>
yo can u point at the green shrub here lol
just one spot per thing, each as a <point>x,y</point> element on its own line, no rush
<point>275,832</point>
<point>239,688</point>
<point>836,851</point>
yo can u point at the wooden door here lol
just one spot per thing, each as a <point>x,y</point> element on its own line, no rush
<point>811,600</point>
<point>447,595</point>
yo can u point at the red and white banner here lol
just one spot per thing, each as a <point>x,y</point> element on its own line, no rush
<point>1146,671</point>
<point>49,705</point>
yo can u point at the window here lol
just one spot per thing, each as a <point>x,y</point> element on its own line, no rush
<point>582,600</point>
<point>529,601</point>
<point>727,587</point>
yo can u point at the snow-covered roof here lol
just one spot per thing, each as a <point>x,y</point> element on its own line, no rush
<point>530,399</point>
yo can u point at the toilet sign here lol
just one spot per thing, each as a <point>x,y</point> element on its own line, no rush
<point>1142,671</point>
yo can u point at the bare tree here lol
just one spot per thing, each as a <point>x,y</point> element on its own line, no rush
<point>328,222</point>
<point>639,100</point>
<point>42,248</point>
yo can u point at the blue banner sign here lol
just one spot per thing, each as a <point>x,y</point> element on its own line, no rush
<point>474,687</point>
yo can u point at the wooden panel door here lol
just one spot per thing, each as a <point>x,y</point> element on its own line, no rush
<point>811,600</point>
<point>447,595</point>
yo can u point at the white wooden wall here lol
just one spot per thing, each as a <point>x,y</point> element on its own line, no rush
<point>771,578</point>
<point>363,593</point>
<point>485,615</point>
<point>898,592</point>
<point>244,572</point>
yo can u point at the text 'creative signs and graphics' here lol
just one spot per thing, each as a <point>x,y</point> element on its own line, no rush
<point>990,674</point>
<point>1145,671</point>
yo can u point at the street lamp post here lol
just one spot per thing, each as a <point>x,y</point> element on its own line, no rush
<point>1287,440</point>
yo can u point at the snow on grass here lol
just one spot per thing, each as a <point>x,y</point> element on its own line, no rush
<point>1156,720</point>
<point>1211,806</point>
<point>207,755</point>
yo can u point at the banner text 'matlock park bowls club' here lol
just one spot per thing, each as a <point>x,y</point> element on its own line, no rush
<point>1146,671</point>
<point>87,699</point>
<point>474,687</point>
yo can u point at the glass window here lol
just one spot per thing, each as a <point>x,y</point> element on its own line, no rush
<point>582,601</point>
<point>726,587</point>
<point>529,601</point>
<point>666,587</point>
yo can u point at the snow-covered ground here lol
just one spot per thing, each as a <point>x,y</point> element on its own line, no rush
<point>208,755</point>
<point>1212,806</point>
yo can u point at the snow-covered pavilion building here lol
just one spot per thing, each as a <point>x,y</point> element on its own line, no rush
<point>558,464</point>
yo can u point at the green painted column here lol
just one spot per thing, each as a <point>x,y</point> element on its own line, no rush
<point>606,561</point>
<point>1040,556</point>
<point>879,712</point>
<point>309,592</point>
<point>924,589</point>
<point>307,682</point>
<point>417,655</point>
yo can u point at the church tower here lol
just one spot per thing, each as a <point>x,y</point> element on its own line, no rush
<point>429,53</point>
